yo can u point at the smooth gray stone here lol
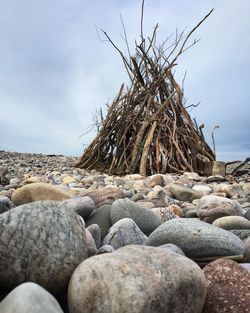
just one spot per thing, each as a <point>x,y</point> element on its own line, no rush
<point>191,214</point>
<point>184,193</point>
<point>29,298</point>
<point>196,238</point>
<point>105,249</point>
<point>241,233</point>
<point>102,218</point>
<point>3,170</point>
<point>124,232</point>
<point>5,204</point>
<point>84,206</point>
<point>41,242</point>
<point>232,222</point>
<point>137,279</point>
<point>95,231</point>
<point>172,247</point>
<point>144,218</point>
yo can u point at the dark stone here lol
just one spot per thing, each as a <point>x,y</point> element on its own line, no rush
<point>228,287</point>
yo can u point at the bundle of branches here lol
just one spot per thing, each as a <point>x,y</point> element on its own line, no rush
<point>148,129</point>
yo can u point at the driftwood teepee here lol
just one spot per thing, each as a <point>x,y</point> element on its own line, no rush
<point>147,129</point>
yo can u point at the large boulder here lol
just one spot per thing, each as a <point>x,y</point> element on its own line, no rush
<point>39,192</point>
<point>137,279</point>
<point>124,232</point>
<point>197,239</point>
<point>29,298</point>
<point>228,288</point>
<point>40,242</point>
<point>145,219</point>
<point>211,207</point>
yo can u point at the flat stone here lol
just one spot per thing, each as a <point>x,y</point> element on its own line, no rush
<point>68,180</point>
<point>232,222</point>
<point>145,279</point>
<point>184,193</point>
<point>211,207</point>
<point>228,287</point>
<point>84,206</point>
<point>29,298</point>
<point>102,218</point>
<point>124,232</point>
<point>197,239</point>
<point>40,242</point>
<point>38,192</point>
<point>144,218</point>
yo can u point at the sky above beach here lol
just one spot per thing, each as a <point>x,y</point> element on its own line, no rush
<point>55,72</point>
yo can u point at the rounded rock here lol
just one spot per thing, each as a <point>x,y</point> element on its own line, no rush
<point>29,297</point>
<point>124,232</point>
<point>144,218</point>
<point>232,222</point>
<point>39,192</point>
<point>95,231</point>
<point>84,206</point>
<point>228,287</point>
<point>40,242</point>
<point>102,218</point>
<point>210,207</point>
<point>5,204</point>
<point>145,280</point>
<point>184,193</point>
<point>197,239</point>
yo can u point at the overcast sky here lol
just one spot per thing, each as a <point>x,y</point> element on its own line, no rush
<point>54,71</point>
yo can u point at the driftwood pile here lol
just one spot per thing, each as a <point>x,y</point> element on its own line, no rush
<point>148,129</point>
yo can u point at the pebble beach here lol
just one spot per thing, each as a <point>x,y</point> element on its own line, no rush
<point>80,241</point>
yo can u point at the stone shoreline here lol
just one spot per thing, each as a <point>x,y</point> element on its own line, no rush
<point>98,243</point>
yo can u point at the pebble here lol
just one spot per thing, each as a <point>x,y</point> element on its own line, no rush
<point>29,297</point>
<point>84,206</point>
<point>146,279</point>
<point>146,219</point>
<point>39,191</point>
<point>184,193</point>
<point>197,239</point>
<point>211,207</point>
<point>232,222</point>
<point>5,204</point>
<point>228,287</point>
<point>102,218</point>
<point>124,232</point>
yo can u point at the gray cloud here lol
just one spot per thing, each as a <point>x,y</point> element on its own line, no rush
<point>55,73</point>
